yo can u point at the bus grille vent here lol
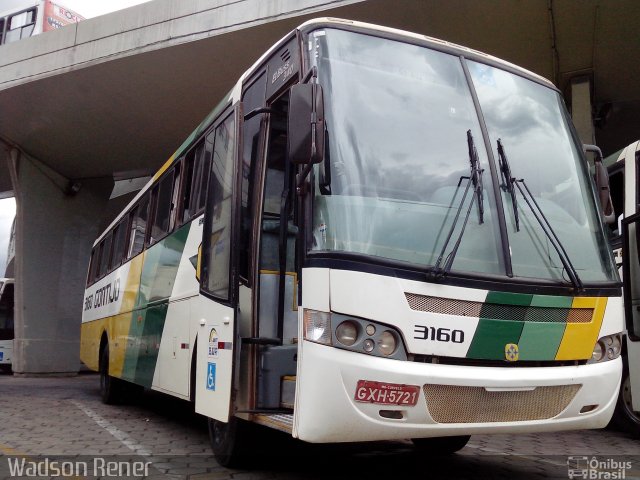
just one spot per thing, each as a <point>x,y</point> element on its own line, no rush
<point>462,404</point>
<point>496,311</point>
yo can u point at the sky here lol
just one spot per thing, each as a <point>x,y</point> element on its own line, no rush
<point>88,9</point>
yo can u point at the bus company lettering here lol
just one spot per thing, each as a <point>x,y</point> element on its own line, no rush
<point>103,296</point>
<point>286,70</point>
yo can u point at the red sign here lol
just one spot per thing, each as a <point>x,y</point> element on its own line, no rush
<point>56,16</point>
<point>386,393</point>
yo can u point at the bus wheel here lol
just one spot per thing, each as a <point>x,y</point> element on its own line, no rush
<point>440,445</point>
<point>110,388</point>
<point>227,441</point>
<point>625,418</point>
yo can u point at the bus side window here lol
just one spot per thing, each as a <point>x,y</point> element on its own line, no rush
<point>254,97</point>
<point>163,194</point>
<point>1,31</point>
<point>175,197</point>
<point>138,226</point>
<point>187,189</point>
<point>217,247</point>
<point>194,186</point>
<point>119,243</point>
<point>91,275</point>
<point>105,252</point>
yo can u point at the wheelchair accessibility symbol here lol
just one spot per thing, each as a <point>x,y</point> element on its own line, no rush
<point>211,376</point>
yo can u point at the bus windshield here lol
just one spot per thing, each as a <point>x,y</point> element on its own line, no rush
<point>398,163</point>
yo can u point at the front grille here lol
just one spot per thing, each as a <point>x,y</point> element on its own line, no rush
<point>495,311</point>
<point>462,404</point>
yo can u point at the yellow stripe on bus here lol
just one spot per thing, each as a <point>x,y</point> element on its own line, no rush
<point>117,327</point>
<point>579,338</point>
<point>164,168</point>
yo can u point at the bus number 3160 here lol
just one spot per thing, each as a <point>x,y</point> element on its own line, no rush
<point>422,332</point>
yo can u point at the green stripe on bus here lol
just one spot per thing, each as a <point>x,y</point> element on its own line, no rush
<point>508,299</point>
<point>491,337</point>
<point>540,341</point>
<point>551,301</point>
<point>143,345</point>
<point>161,267</point>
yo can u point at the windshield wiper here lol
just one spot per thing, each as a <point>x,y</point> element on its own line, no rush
<point>509,182</point>
<point>475,179</point>
<point>539,216</point>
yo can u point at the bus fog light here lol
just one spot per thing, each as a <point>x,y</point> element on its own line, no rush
<point>368,345</point>
<point>387,343</point>
<point>616,346</point>
<point>371,330</point>
<point>317,326</point>
<point>347,333</point>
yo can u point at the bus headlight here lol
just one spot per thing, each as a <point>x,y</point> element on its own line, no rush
<point>607,348</point>
<point>347,333</point>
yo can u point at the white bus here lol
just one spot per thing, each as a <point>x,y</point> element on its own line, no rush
<point>25,18</point>
<point>624,168</point>
<point>6,323</point>
<point>375,235</point>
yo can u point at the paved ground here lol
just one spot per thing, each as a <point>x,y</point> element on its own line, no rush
<point>62,420</point>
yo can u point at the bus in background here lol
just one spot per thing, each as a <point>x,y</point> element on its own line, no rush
<point>31,17</point>
<point>6,323</point>
<point>624,171</point>
<point>375,235</point>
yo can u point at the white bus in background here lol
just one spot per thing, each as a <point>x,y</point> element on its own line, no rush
<point>30,17</point>
<point>624,168</point>
<point>6,323</point>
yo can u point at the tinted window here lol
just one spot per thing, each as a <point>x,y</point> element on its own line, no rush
<point>252,99</point>
<point>139,226</point>
<point>218,242</point>
<point>163,193</point>
<point>194,183</point>
<point>119,244</point>
<point>105,250</point>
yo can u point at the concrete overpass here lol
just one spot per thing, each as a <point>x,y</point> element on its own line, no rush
<point>115,95</point>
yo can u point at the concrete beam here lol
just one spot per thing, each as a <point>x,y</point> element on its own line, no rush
<point>54,235</point>
<point>581,110</point>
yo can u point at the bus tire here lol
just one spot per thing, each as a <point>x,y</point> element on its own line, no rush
<point>440,445</point>
<point>110,388</point>
<point>227,441</point>
<point>624,417</point>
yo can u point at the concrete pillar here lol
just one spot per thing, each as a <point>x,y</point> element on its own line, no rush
<point>581,109</point>
<point>55,229</point>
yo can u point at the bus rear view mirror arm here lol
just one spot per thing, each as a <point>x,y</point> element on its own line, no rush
<point>602,184</point>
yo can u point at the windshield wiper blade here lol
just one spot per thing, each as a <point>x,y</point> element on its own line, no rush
<point>541,219</point>
<point>475,179</point>
<point>509,182</point>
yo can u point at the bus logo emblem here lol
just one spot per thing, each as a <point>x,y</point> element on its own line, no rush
<point>511,352</point>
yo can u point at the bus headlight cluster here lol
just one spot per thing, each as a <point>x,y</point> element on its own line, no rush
<point>355,334</point>
<point>607,348</point>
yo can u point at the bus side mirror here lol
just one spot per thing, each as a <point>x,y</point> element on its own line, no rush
<point>602,184</point>
<point>306,124</point>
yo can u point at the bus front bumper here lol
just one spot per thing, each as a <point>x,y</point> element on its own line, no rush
<point>450,400</point>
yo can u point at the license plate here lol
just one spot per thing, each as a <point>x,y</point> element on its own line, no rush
<point>386,393</point>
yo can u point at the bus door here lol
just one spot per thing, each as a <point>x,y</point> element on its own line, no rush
<point>631,278</point>
<point>215,307</point>
<point>276,272</point>
<point>268,317</point>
